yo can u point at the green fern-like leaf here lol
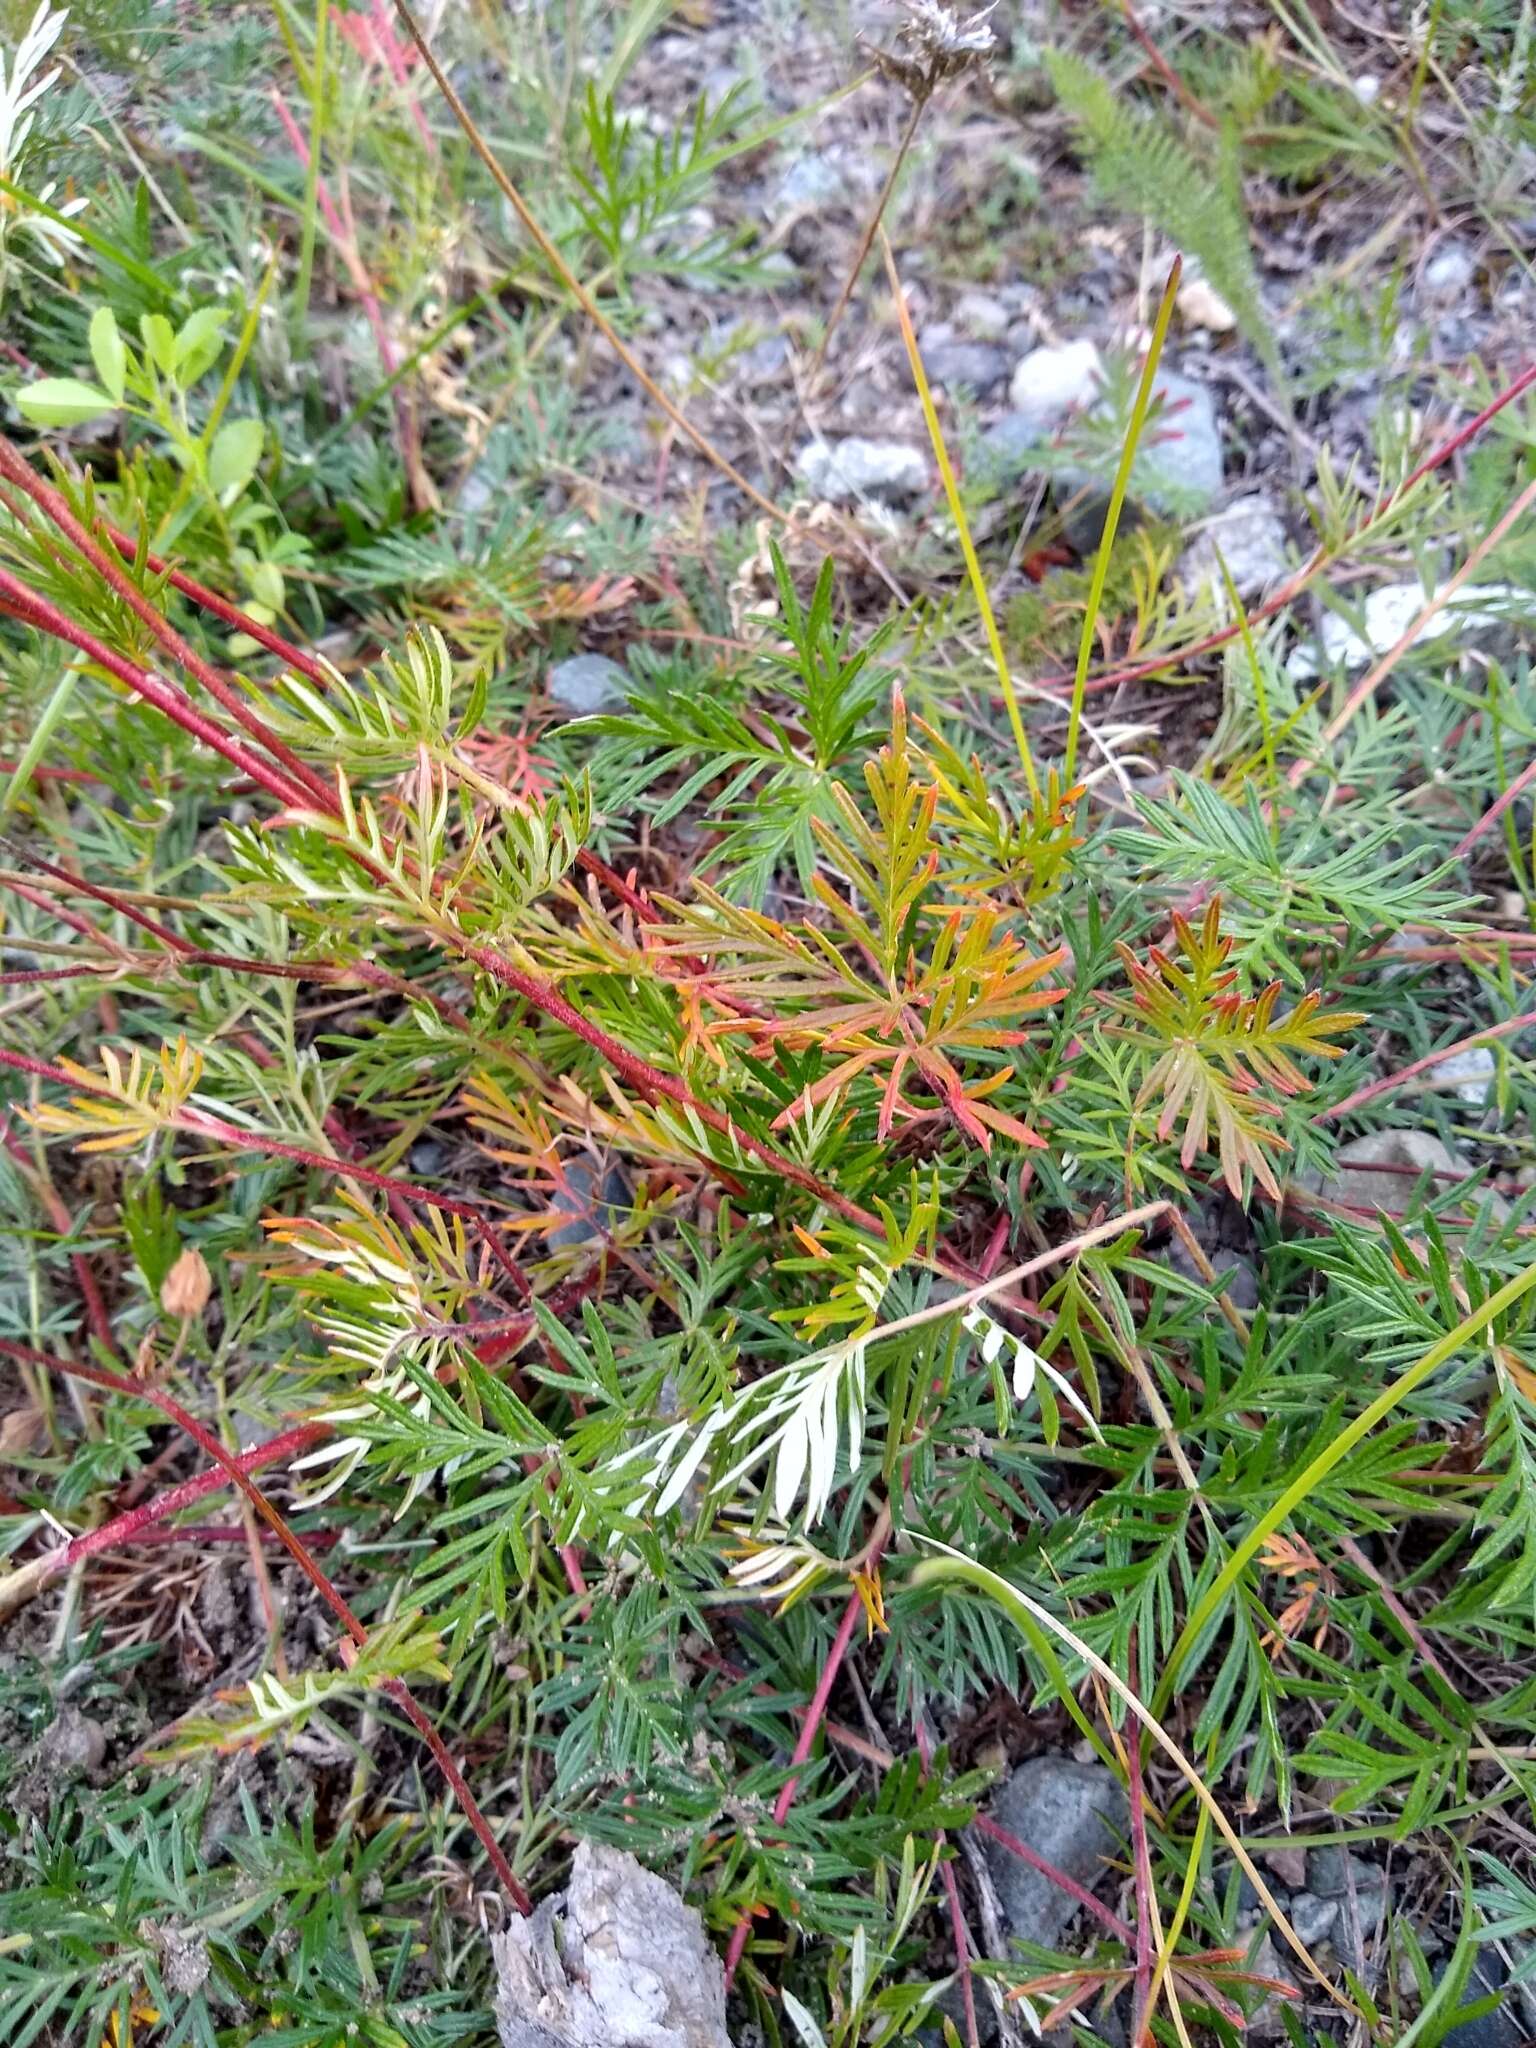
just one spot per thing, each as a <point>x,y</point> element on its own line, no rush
<point>1214,1049</point>
<point>1139,164</point>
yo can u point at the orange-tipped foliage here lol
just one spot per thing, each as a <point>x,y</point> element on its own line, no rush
<point>1214,1049</point>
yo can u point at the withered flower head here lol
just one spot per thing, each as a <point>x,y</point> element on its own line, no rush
<point>936,44</point>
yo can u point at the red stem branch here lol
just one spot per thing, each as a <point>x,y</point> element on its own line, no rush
<point>1431,1059</point>
<point>1105,1915</point>
<point>56,507</point>
<point>37,611</point>
<point>398,1690</point>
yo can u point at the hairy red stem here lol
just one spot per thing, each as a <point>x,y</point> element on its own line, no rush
<point>134,1522</point>
<point>1132,672</point>
<point>1431,1059</point>
<point>1141,1864</point>
<point>113,901</point>
<point>1165,70</point>
<point>54,504</point>
<point>201,1124</point>
<point>346,244</point>
<point>806,1742</point>
<point>652,1080</point>
<point>37,611</point>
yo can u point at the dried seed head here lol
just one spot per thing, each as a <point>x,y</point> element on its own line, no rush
<point>936,44</point>
<point>187,1286</point>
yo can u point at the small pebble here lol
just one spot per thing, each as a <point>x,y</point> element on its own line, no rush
<point>587,684</point>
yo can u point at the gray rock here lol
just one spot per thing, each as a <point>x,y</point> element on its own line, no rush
<point>1052,383</point>
<point>979,314</point>
<point>1289,1865</point>
<point>1073,1815</point>
<point>1249,537</point>
<point>1333,1869</point>
<point>1470,1073</point>
<point>1448,273</point>
<point>950,2004</point>
<point>1511,2024</point>
<point>587,684</point>
<point>1179,465</point>
<point>1235,1275</point>
<point>1008,442</point>
<point>1363,1181</point>
<point>764,362</point>
<point>813,181</point>
<point>618,1962</point>
<point>1313,1918</point>
<point>1182,451</point>
<point>71,1742</point>
<point>840,471</point>
<point>1269,1959</point>
<point>591,1206</point>
<point>974,365</point>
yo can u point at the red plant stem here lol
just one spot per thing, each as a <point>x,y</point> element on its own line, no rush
<point>956,1917</point>
<point>44,902</point>
<point>1165,70</point>
<point>42,773</point>
<point>37,611</point>
<point>652,1080</point>
<point>21,977</point>
<point>398,1690</point>
<point>542,995</point>
<point>1366,688</point>
<point>203,1125</point>
<point>962,1949</point>
<point>810,1729</point>
<point>134,1523</point>
<point>385,39</point>
<point>113,901</point>
<point>220,688</point>
<point>1431,1059</point>
<point>346,245</point>
<point>221,607</point>
<point>1141,1864</point>
<point>1106,1915</point>
<point>1496,810</point>
<point>1132,672</point>
<point>85,1278</point>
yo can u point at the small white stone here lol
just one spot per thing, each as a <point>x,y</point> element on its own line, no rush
<point>843,470</point>
<point>1201,305</point>
<point>1052,382</point>
<point>1367,88</point>
<point>1448,273</point>
<point>1470,1073</point>
<point>1391,610</point>
<point>979,314</point>
<point>1250,536</point>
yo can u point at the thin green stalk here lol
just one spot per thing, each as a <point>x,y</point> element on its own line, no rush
<point>1319,1467</point>
<point>307,231</point>
<point>1030,1618</point>
<point>962,524</point>
<point>1112,518</point>
<point>1260,693</point>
